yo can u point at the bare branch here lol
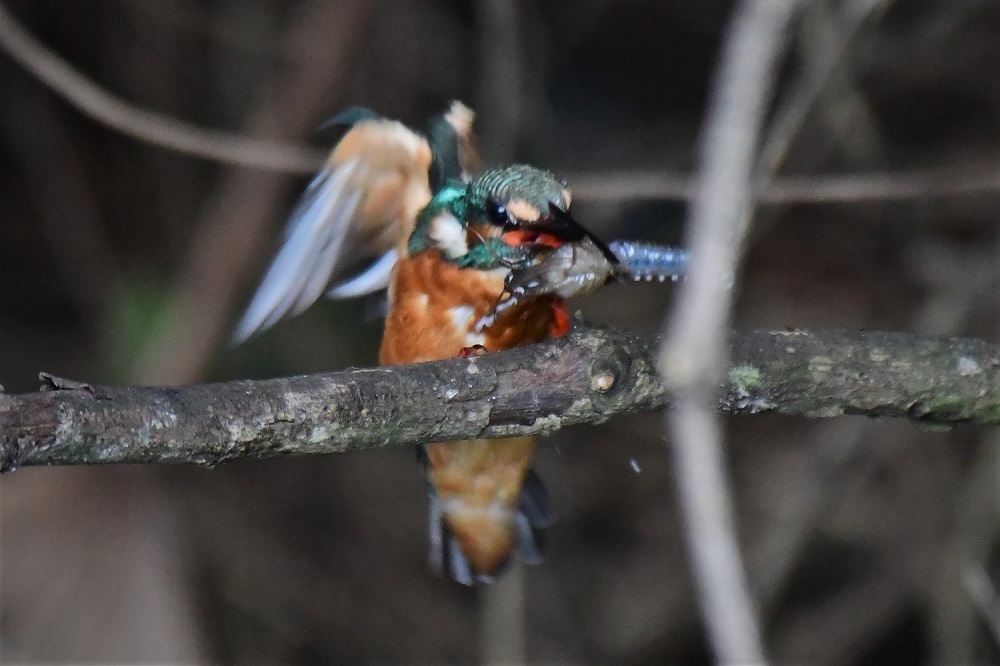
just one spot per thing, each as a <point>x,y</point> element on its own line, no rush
<point>823,55</point>
<point>588,376</point>
<point>695,354</point>
<point>168,132</point>
<point>161,130</point>
<point>983,594</point>
<point>945,181</point>
<point>225,240</point>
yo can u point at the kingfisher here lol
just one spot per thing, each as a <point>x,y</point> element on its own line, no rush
<point>445,236</point>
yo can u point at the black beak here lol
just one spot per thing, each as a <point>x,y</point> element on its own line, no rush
<point>561,224</point>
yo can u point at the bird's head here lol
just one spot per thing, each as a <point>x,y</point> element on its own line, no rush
<point>505,217</point>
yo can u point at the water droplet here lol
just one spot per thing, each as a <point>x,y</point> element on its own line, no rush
<point>635,465</point>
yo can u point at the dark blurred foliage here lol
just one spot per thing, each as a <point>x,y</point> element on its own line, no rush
<point>866,541</point>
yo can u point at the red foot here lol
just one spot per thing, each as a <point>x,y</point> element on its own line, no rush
<point>469,352</point>
<point>560,319</point>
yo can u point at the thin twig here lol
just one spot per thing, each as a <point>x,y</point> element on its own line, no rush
<point>955,597</point>
<point>841,446</point>
<point>821,63</point>
<point>983,594</point>
<point>226,239</point>
<point>694,356</point>
<point>158,129</point>
<point>619,185</point>
<point>638,185</point>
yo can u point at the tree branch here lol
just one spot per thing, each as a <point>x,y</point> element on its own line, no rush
<point>588,376</point>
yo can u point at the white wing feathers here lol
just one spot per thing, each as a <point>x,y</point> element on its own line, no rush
<point>362,204</point>
<point>375,278</point>
<point>313,242</point>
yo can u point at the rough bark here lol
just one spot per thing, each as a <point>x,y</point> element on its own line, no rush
<point>588,376</point>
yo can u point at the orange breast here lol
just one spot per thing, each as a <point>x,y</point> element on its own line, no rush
<point>433,308</point>
<point>434,305</point>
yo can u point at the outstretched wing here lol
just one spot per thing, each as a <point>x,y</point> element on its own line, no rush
<point>363,203</point>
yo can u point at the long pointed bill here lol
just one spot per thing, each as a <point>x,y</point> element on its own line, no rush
<point>556,229</point>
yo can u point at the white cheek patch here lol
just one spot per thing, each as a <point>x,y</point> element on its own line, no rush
<point>448,234</point>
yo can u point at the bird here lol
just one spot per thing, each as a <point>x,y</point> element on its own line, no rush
<point>445,236</point>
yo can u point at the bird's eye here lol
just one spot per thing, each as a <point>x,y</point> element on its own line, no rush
<point>497,213</point>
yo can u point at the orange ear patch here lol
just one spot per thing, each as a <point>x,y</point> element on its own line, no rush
<point>522,210</point>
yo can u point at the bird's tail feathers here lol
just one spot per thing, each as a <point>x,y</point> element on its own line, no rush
<point>475,544</point>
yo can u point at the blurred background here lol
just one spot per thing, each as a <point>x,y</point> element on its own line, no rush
<point>123,262</point>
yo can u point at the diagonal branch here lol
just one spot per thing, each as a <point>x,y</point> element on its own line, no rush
<point>588,376</point>
<point>158,129</point>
